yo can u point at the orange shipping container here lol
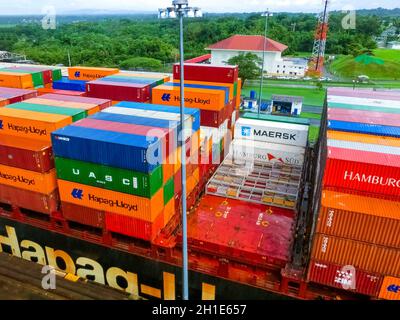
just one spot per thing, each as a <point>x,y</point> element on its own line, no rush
<point>390,289</point>
<point>239,94</point>
<point>169,211</point>
<point>204,99</point>
<point>193,181</point>
<point>362,255</point>
<point>363,138</point>
<point>88,107</point>
<point>360,218</point>
<point>110,201</point>
<point>88,73</point>
<point>231,86</point>
<point>29,124</point>
<point>16,80</point>
<point>44,183</point>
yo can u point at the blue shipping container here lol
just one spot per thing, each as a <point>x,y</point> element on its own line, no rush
<point>365,128</point>
<point>195,113</point>
<point>71,85</point>
<point>199,86</point>
<point>121,150</point>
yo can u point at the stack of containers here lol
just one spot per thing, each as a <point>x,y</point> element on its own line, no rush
<point>126,181</point>
<point>356,242</point>
<point>10,95</point>
<point>126,86</point>
<point>28,177</point>
<point>48,74</point>
<point>212,89</point>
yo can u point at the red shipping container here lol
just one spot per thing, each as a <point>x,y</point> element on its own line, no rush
<point>345,277</point>
<point>207,73</point>
<point>213,119</point>
<point>133,227</point>
<point>42,91</point>
<point>120,91</point>
<point>241,231</point>
<point>102,103</point>
<point>29,200</point>
<point>17,95</point>
<point>167,136</point>
<point>82,215</point>
<point>371,172</point>
<point>33,155</point>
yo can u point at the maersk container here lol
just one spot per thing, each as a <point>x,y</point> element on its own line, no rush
<point>118,91</point>
<point>111,178</point>
<point>72,85</point>
<point>363,167</point>
<point>102,103</point>
<point>195,113</point>
<point>206,72</point>
<point>76,114</point>
<point>166,136</point>
<point>379,130</point>
<point>272,132</point>
<point>268,117</point>
<point>267,152</point>
<point>126,151</point>
<point>155,115</point>
<point>345,277</point>
<point>33,155</point>
<point>200,86</point>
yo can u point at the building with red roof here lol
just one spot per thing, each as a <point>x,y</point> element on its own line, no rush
<point>223,50</point>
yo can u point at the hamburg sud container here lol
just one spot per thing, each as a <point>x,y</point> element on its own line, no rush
<point>361,218</point>
<point>89,73</point>
<point>72,85</point>
<point>240,231</point>
<point>272,132</point>
<point>17,95</point>
<point>210,73</point>
<point>16,80</point>
<point>363,167</point>
<point>345,277</point>
<point>119,91</point>
<point>267,152</point>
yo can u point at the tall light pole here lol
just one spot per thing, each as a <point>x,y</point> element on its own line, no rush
<point>180,10</point>
<point>266,14</point>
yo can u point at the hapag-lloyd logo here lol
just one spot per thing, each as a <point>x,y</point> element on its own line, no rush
<point>167,97</point>
<point>371,179</point>
<point>26,129</point>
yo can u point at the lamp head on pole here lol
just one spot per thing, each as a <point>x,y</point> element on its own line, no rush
<point>180,8</point>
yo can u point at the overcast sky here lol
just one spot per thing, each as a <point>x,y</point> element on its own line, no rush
<point>36,6</point>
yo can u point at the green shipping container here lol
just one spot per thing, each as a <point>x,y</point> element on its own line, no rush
<point>57,74</point>
<point>110,178</point>
<point>365,108</point>
<point>169,190</point>
<point>76,114</point>
<point>37,77</point>
<point>267,117</point>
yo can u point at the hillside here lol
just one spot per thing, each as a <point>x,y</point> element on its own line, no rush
<point>348,67</point>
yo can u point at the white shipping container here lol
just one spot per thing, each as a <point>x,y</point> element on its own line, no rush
<point>215,133</point>
<point>272,132</point>
<point>155,115</point>
<point>364,102</point>
<point>248,150</point>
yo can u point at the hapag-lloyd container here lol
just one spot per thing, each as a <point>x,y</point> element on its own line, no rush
<point>126,151</point>
<point>209,73</point>
<point>363,138</point>
<point>34,201</point>
<point>110,178</point>
<point>272,132</point>
<point>102,103</point>
<point>17,95</point>
<point>195,113</point>
<point>89,73</point>
<point>267,152</point>
<point>363,167</point>
<point>345,277</point>
<point>90,109</point>
<point>204,99</point>
<point>361,218</point>
<point>365,128</point>
<point>111,201</point>
<point>361,255</point>
<point>33,155</point>
<point>118,91</point>
<point>44,183</point>
<point>75,114</point>
<point>16,80</point>
<point>232,86</point>
<point>32,125</point>
<point>390,289</point>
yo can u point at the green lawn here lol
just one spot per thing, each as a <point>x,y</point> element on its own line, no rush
<point>313,134</point>
<point>312,97</point>
<point>388,54</point>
